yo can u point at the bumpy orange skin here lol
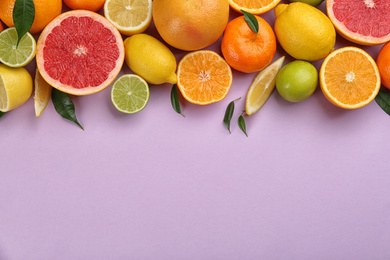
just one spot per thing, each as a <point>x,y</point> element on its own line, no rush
<point>190,24</point>
<point>45,12</point>
<point>94,5</point>
<point>383,62</point>
<point>244,50</point>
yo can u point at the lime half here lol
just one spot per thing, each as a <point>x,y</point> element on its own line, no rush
<point>13,56</point>
<point>130,93</point>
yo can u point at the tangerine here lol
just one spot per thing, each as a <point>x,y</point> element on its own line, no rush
<point>45,12</point>
<point>94,5</point>
<point>383,62</point>
<point>245,50</point>
<point>190,25</point>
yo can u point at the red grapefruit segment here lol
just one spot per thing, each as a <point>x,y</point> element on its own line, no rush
<point>364,22</point>
<point>80,52</point>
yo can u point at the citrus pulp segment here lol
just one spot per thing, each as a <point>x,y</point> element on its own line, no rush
<point>262,87</point>
<point>13,55</point>
<point>42,94</point>
<point>363,22</point>
<point>253,6</point>
<point>15,87</point>
<point>130,17</point>
<point>204,77</point>
<point>80,53</point>
<point>349,78</point>
<point>130,93</point>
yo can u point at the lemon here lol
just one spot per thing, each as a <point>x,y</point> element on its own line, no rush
<point>15,87</point>
<point>262,87</point>
<point>151,59</point>
<point>42,94</point>
<point>129,17</point>
<point>303,31</point>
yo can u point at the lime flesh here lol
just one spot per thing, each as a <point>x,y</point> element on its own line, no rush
<point>130,93</point>
<point>16,56</point>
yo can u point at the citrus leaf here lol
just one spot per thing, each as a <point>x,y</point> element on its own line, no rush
<point>175,100</point>
<point>251,20</point>
<point>1,114</point>
<point>241,123</point>
<point>23,16</point>
<point>64,106</point>
<point>383,100</point>
<point>229,114</point>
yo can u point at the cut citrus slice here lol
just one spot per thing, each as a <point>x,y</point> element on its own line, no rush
<point>42,94</point>
<point>80,52</point>
<point>130,93</point>
<point>349,78</point>
<point>204,77</point>
<point>253,6</point>
<point>262,87</point>
<point>364,22</point>
<point>130,17</point>
<point>18,56</point>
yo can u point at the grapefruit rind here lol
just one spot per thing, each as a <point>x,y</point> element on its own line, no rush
<point>348,34</point>
<point>68,88</point>
<point>330,97</point>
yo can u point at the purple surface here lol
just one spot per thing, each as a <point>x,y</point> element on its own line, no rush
<point>310,182</point>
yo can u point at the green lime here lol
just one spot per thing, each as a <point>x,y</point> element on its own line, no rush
<point>310,2</point>
<point>130,93</point>
<point>19,56</point>
<point>297,80</point>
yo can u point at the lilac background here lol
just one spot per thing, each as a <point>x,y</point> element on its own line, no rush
<point>310,182</point>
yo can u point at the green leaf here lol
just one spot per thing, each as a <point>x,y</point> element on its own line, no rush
<point>383,100</point>
<point>1,113</point>
<point>64,106</point>
<point>251,20</point>
<point>229,114</point>
<point>23,15</point>
<point>241,123</point>
<point>175,100</point>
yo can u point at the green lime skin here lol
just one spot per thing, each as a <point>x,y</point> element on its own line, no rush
<point>310,2</point>
<point>297,80</point>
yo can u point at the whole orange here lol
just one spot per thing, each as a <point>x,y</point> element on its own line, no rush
<point>383,62</point>
<point>45,11</point>
<point>190,24</point>
<point>94,5</point>
<point>246,51</point>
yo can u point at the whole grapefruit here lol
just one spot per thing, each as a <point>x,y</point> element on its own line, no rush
<point>80,52</point>
<point>45,11</point>
<point>190,24</point>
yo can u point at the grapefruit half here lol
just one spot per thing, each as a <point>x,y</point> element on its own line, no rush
<point>365,22</point>
<point>80,52</point>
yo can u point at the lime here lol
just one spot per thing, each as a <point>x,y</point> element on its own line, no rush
<point>297,80</point>
<point>310,2</point>
<point>130,93</point>
<point>19,56</point>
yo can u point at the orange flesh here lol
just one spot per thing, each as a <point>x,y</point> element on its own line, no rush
<point>204,77</point>
<point>350,77</point>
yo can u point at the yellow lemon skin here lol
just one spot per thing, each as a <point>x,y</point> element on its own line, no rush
<point>150,59</point>
<point>303,31</point>
<point>16,87</point>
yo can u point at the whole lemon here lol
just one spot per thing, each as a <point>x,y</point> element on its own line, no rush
<point>151,59</point>
<point>15,87</point>
<point>303,31</point>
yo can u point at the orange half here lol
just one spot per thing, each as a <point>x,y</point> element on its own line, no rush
<point>349,78</point>
<point>204,77</point>
<point>253,6</point>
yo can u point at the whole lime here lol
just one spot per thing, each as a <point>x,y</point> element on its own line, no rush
<point>310,2</point>
<point>297,80</point>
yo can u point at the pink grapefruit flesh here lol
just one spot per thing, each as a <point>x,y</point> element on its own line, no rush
<point>80,52</point>
<point>365,22</point>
